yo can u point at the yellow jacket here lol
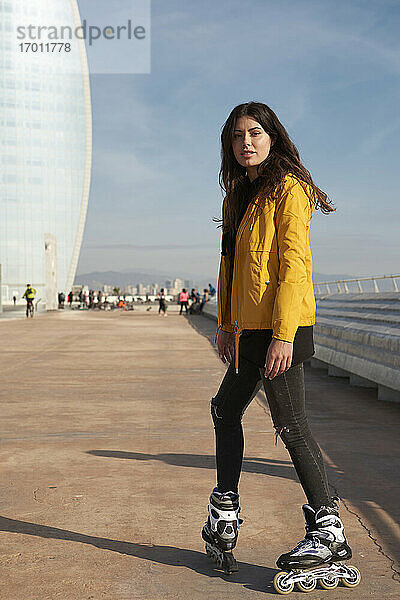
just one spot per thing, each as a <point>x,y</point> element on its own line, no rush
<point>272,273</point>
<point>30,293</point>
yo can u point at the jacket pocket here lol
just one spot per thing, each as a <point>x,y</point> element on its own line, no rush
<point>259,274</point>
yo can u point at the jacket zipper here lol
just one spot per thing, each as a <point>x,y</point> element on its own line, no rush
<point>237,327</point>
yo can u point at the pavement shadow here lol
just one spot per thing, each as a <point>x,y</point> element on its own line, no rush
<point>204,326</point>
<point>254,577</point>
<point>261,466</point>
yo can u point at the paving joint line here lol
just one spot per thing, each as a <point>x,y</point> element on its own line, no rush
<point>381,551</point>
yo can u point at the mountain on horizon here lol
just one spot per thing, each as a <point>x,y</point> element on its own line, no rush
<point>97,279</point>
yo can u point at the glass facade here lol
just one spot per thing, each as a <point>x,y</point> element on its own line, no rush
<point>45,151</point>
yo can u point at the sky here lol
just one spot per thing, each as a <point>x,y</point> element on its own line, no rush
<point>329,70</point>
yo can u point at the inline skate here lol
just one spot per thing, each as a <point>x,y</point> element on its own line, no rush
<point>221,529</point>
<point>319,557</point>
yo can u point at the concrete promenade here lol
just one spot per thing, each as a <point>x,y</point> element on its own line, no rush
<point>107,464</point>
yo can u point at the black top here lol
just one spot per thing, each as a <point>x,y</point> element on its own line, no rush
<point>253,343</point>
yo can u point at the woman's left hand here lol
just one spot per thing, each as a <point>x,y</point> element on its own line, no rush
<point>279,358</point>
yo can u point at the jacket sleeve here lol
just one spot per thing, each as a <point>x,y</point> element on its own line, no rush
<point>293,214</point>
<point>224,295</point>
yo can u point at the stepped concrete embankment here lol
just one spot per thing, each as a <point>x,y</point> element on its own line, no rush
<point>358,336</point>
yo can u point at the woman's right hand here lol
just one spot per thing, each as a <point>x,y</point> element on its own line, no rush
<point>226,345</point>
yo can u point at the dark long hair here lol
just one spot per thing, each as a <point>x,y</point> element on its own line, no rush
<point>283,158</point>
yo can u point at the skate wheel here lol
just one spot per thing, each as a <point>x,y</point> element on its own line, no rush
<point>308,585</point>
<point>280,585</point>
<point>353,579</point>
<point>328,583</point>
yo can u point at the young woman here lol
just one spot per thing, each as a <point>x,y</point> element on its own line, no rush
<point>266,312</point>
<point>184,301</point>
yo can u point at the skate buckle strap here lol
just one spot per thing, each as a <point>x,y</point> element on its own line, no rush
<point>308,541</point>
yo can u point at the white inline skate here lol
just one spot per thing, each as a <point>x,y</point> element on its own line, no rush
<point>221,529</point>
<point>319,557</point>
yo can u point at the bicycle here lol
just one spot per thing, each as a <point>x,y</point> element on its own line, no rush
<point>30,308</point>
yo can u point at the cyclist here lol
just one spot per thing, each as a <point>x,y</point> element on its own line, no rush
<point>29,296</point>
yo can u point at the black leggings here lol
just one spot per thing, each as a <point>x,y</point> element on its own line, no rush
<point>286,398</point>
<point>184,304</point>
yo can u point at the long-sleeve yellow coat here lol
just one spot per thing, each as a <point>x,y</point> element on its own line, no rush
<point>271,286</point>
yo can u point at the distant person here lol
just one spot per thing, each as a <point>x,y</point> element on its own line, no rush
<point>266,312</point>
<point>15,300</point>
<point>211,289</point>
<point>29,296</point>
<point>70,298</point>
<point>183,301</point>
<point>99,298</point>
<point>204,299</point>
<point>196,295</point>
<point>162,303</point>
<point>195,306</point>
<point>91,298</point>
<point>61,300</point>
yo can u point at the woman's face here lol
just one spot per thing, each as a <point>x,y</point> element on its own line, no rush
<point>250,143</point>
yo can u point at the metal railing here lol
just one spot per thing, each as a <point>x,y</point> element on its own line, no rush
<point>342,287</point>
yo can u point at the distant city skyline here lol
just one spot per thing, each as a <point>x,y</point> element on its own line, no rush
<point>330,72</point>
<point>150,284</point>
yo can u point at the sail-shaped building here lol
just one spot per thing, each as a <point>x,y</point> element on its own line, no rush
<point>45,151</point>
